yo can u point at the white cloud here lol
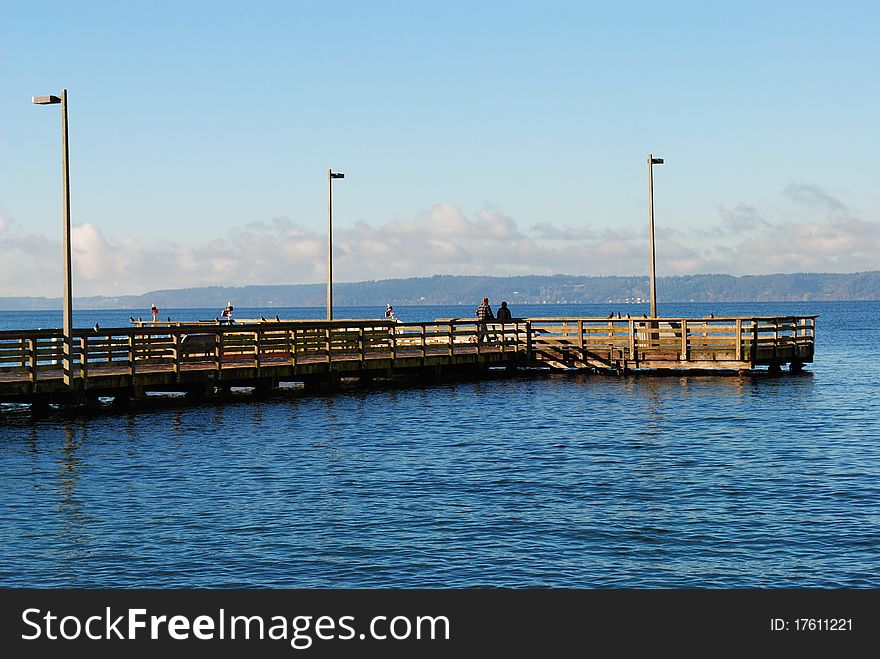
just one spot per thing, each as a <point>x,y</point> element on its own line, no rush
<point>445,240</point>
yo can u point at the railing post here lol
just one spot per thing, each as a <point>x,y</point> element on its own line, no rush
<point>812,334</point>
<point>83,357</point>
<point>361,345</point>
<point>528,339</point>
<point>581,337</point>
<point>218,351</point>
<point>132,354</point>
<point>22,352</point>
<point>66,349</point>
<point>632,339</point>
<point>424,329</point>
<point>775,338</point>
<point>293,347</point>
<point>327,343</point>
<point>32,359</point>
<point>739,342</point>
<point>393,345</point>
<point>451,338</point>
<point>258,340</point>
<point>175,347</point>
<point>754,341</point>
<point>684,340</point>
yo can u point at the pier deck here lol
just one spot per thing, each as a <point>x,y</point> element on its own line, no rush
<point>202,357</point>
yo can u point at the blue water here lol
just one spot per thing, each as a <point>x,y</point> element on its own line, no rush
<point>556,481</point>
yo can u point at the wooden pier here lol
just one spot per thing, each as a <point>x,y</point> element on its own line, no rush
<point>202,358</point>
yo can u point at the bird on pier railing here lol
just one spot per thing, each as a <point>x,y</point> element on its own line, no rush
<point>277,318</point>
<point>611,315</point>
<point>97,327</point>
<point>618,314</point>
<point>169,319</point>
<point>131,318</point>
<point>627,315</point>
<point>140,319</point>
<point>644,315</point>
<point>263,318</point>
<point>711,315</point>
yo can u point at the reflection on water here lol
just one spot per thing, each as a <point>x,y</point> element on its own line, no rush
<point>73,517</point>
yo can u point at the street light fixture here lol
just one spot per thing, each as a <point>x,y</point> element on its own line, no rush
<point>330,176</point>
<point>651,162</point>
<point>65,201</point>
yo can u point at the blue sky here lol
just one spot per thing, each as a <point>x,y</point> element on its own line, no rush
<point>496,138</point>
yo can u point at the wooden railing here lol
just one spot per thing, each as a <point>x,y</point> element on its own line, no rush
<point>756,340</point>
<point>638,342</point>
<point>38,354</point>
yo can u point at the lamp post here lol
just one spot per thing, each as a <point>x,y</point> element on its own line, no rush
<point>65,202</point>
<point>330,176</point>
<point>651,162</point>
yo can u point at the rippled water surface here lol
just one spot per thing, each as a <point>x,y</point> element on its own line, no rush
<point>561,481</point>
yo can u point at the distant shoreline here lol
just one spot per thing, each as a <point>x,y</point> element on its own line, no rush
<point>523,289</point>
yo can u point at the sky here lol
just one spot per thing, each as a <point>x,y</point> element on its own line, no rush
<point>476,138</point>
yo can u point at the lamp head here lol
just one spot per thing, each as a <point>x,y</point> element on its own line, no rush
<point>46,100</point>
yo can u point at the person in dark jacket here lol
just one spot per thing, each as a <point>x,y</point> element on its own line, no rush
<point>503,313</point>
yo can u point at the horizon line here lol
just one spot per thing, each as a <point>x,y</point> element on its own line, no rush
<point>475,276</point>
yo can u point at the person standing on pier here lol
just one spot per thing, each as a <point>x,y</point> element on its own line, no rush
<point>484,315</point>
<point>155,311</point>
<point>503,313</point>
<point>226,314</point>
<point>389,311</point>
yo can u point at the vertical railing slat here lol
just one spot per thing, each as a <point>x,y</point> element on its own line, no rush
<point>327,343</point>
<point>175,351</point>
<point>83,358</point>
<point>32,359</point>
<point>293,347</point>
<point>739,340</point>
<point>685,354</point>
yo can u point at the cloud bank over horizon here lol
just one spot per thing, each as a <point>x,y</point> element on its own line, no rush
<point>826,237</point>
